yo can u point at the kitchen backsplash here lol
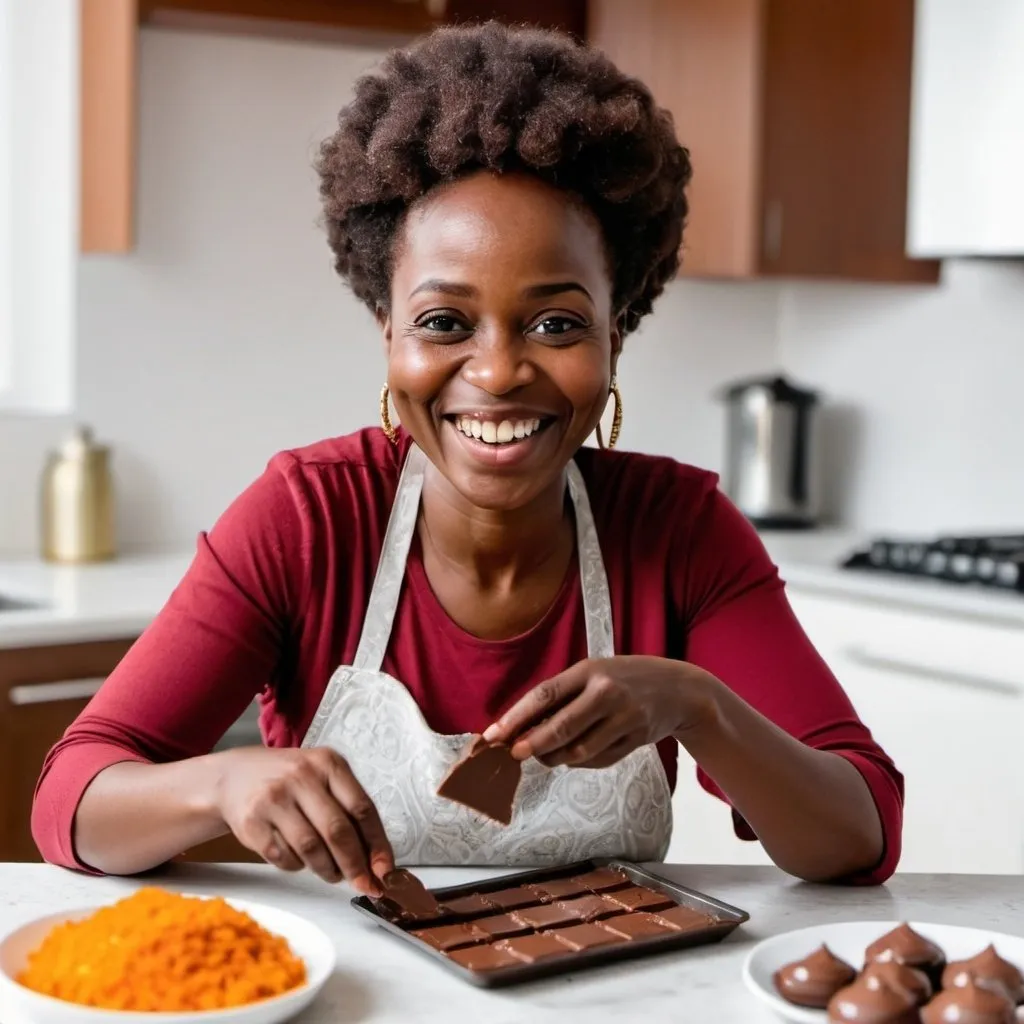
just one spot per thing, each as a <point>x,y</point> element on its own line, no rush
<point>226,336</point>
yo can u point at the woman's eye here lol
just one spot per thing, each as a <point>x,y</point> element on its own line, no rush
<point>554,325</point>
<point>441,324</point>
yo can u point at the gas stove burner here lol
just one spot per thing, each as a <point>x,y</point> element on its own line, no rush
<point>995,561</point>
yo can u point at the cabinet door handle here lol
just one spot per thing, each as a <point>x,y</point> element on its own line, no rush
<point>47,693</point>
<point>943,676</point>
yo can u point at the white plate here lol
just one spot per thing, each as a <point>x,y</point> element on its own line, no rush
<point>848,940</point>
<point>19,1005</point>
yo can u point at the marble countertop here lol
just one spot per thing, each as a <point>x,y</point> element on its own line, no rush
<point>380,981</point>
<point>120,598</point>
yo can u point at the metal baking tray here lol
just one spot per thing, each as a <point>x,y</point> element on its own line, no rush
<point>727,919</point>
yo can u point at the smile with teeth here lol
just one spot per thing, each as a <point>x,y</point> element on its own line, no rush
<point>497,432</point>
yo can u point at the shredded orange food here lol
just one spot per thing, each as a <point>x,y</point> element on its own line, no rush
<point>160,951</point>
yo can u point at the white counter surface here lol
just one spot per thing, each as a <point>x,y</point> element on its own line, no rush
<point>380,981</point>
<point>119,599</point>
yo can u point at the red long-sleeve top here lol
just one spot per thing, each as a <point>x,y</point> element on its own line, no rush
<point>275,597</point>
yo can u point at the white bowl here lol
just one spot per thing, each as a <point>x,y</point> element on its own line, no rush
<point>19,1005</point>
<point>848,940</point>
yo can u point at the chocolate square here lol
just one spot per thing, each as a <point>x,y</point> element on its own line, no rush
<point>451,936</point>
<point>531,948</point>
<point>511,899</point>
<point>473,905</point>
<point>484,779</point>
<point>484,958</point>
<point>603,880</point>
<point>500,926</point>
<point>590,908</point>
<point>685,919</point>
<point>558,889</point>
<point>547,915</point>
<point>636,926</point>
<point>639,897</point>
<point>586,936</point>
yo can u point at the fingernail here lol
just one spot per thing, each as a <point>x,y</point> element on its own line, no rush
<point>520,751</point>
<point>366,885</point>
<point>490,733</point>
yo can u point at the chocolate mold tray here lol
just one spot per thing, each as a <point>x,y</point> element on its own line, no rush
<point>722,920</point>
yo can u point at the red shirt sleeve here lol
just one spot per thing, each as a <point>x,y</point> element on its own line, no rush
<point>740,628</point>
<point>213,647</point>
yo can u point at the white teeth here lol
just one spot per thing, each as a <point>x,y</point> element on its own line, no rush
<point>491,432</point>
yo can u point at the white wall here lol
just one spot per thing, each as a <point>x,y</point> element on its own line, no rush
<point>928,384</point>
<point>226,336</point>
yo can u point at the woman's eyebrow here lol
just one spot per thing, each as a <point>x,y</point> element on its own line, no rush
<point>436,284</point>
<point>543,291</point>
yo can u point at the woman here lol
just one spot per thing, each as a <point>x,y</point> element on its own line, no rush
<point>509,205</point>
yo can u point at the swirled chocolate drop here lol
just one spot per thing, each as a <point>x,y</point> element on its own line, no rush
<point>900,977</point>
<point>814,980</point>
<point>987,966</point>
<point>861,1003</point>
<point>970,1004</point>
<point>904,946</point>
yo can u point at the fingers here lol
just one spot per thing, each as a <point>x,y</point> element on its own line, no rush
<point>622,747</point>
<point>360,808</point>
<point>562,730</point>
<point>538,704</point>
<point>592,744</point>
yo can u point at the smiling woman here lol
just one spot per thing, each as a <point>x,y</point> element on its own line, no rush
<point>509,206</point>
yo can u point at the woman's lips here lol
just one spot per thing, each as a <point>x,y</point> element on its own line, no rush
<point>498,431</point>
<point>499,452</point>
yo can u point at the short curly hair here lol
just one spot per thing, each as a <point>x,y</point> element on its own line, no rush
<point>490,96</point>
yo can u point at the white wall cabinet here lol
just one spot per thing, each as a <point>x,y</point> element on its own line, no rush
<point>967,129</point>
<point>945,698</point>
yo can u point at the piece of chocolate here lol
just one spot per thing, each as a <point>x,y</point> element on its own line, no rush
<point>485,779</point>
<point>547,915</point>
<point>814,980</point>
<point>473,905</point>
<point>590,908</point>
<point>558,889</point>
<point>905,946</point>
<point>866,1004</point>
<point>685,919</point>
<point>639,897</point>
<point>451,936</point>
<point>987,966</point>
<point>899,976</point>
<point>603,880</point>
<point>970,1004</point>
<point>500,926</point>
<point>511,899</point>
<point>531,948</point>
<point>585,936</point>
<point>407,897</point>
<point>639,925</point>
<point>484,958</point>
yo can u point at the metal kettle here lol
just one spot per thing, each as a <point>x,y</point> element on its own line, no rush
<point>771,471</point>
<point>77,502</point>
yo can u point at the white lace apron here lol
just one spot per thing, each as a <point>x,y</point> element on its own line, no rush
<point>560,815</point>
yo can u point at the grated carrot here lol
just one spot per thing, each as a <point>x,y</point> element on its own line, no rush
<point>160,951</point>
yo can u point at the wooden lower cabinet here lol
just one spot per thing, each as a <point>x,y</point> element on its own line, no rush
<point>42,690</point>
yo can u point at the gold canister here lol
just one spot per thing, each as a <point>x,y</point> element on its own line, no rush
<point>78,502</point>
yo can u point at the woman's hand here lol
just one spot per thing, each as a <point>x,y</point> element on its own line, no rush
<point>304,808</point>
<point>597,712</point>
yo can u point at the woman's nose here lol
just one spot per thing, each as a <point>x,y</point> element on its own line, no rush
<point>499,364</point>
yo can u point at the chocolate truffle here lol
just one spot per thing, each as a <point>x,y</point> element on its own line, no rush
<point>406,896</point>
<point>970,1004</point>
<point>904,946</point>
<point>987,966</point>
<point>639,897</point>
<point>558,889</point>
<point>468,906</point>
<point>866,1004</point>
<point>603,880</point>
<point>484,779</point>
<point>531,948</point>
<point>899,976</point>
<point>814,980</point>
<point>547,915</point>
<point>451,936</point>
<point>590,908</point>
<point>585,936</point>
<point>684,919</point>
<point>511,899</point>
<point>639,925</point>
<point>500,926</point>
<point>484,958</point>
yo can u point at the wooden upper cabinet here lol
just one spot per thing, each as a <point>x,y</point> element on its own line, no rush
<point>797,117</point>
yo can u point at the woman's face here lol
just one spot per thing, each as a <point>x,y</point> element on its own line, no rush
<point>501,339</point>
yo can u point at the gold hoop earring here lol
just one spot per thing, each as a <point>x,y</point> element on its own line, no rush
<point>613,437</point>
<point>385,417</point>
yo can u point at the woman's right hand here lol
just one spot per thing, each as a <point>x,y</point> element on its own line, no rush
<point>300,807</point>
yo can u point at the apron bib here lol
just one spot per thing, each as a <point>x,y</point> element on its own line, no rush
<point>561,814</point>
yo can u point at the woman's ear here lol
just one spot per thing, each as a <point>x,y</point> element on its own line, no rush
<point>384,323</point>
<point>616,337</point>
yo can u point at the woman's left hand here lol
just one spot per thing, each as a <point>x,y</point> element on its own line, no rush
<point>597,712</point>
